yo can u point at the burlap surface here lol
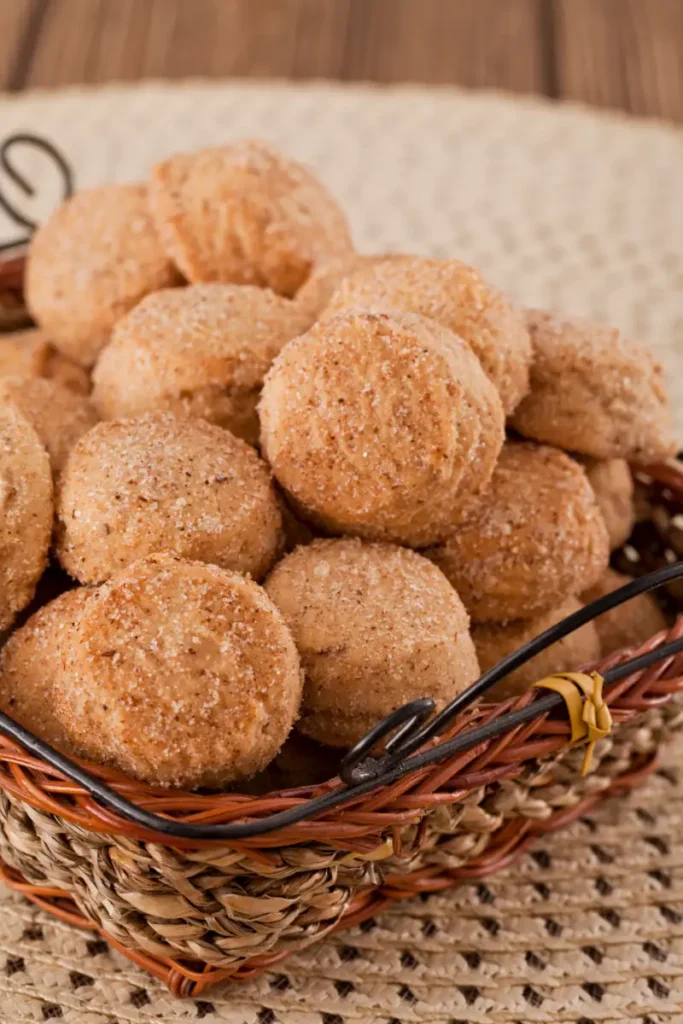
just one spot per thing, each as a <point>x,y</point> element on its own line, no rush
<point>563,207</point>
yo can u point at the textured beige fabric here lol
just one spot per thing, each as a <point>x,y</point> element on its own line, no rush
<point>563,207</point>
<point>558,204</point>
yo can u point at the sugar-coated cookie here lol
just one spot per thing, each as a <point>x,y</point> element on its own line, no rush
<point>180,674</point>
<point>535,536</point>
<point>381,426</point>
<point>165,483</point>
<point>594,391</point>
<point>94,258</point>
<point>376,626</point>
<point>245,214</point>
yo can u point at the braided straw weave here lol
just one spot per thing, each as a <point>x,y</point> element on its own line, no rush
<point>196,912</point>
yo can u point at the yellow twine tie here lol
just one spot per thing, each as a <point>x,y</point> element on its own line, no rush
<point>589,716</point>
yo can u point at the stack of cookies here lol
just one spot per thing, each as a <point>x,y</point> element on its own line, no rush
<point>292,485</point>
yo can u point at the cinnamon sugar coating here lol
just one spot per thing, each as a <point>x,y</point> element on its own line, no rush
<point>594,391</point>
<point>536,536</point>
<point>631,623</point>
<point>201,350</point>
<point>29,354</point>
<point>376,626</point>
<point>493,641</point>
<point>165,483</point>
<point>94,258</point>
<point>32,664</point>
<point>381,426</point>
<point>245,214</point>
<point>456,296</point>
<point>59,416</point>
<point>26,512</point>
<point>180,674</point>
<point>612,482</point>
<point>316,294</point>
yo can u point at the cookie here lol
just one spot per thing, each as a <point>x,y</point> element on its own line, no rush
<point>381,426</point>
<point>202,350</point>
<point>59,416</point>
<point>594,391</point>
<point>29,354</point>
<point>94,258</point>
<point>376,626</point>
<point>165,483</point>
<point>612,482</point>
<point>32,663</point>
<point>493,641</point>
<point>245,214</point>
<point>456,296</point>
<point>26,512</point>
<point>180,674</point>
<point>631,623</point>
<point>536,536</point>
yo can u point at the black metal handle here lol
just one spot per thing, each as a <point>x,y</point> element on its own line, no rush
<point>25,186</point>
<point>362,773</point>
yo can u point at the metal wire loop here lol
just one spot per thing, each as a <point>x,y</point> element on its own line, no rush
<point>24,185</point>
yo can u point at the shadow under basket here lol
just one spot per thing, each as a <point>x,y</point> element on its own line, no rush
<point>194,911</point>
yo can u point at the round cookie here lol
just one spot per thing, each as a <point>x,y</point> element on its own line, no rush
<point>31,665</point>
<point>58,416</point>
<point>376,626</point>
<point>493,641</point>
<point>29,354</point>
<point>93,260</point>
<point>381,426</point>
<point>245,214</point>
<point>316,294</point>
<point>26,512</point>
<point>165,483</point>
<point>456,296</point>
<point>595,392</point>
<point>535,536</point>
<point>180,674</point>
<point>202,350</point>
<point>631,623</point>
<point>612,482</point>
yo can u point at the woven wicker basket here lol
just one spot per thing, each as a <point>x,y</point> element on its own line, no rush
<point>197,911</point>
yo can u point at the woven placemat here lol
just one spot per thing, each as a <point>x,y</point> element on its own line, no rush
<point>564,207</point>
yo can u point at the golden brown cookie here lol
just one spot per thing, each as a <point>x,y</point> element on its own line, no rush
<point>165,483</point>
<point>493,641</point>
<point>26,512</point>
<point>612,482</point>
<point>315,296</point>
<point>245,214</point>
<point>535,536</point>
<point>93,260</point>
<point>180,674</point>
<point>59,416</point>
<point>32,663</point>
<point>457,297</point>
<point>381,426</point>
<point>594,391</point>
<point>29,354</point>
<point>630,624</point>
<point>376,626</point>
<point>202,350</point>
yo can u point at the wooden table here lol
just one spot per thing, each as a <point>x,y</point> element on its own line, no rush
<point>616,53</point>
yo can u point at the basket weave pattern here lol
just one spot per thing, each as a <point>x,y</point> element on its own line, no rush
<point>196,912</point>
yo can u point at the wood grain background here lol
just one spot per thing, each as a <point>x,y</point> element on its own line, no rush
<point>626,54</point>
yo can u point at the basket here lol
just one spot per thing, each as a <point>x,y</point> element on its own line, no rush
<point>145,868</point>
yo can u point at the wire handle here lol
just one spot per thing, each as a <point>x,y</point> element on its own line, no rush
<point>24,185</point>
<point>363,773</point>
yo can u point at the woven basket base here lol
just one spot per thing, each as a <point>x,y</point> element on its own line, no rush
<point>588,926</point>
